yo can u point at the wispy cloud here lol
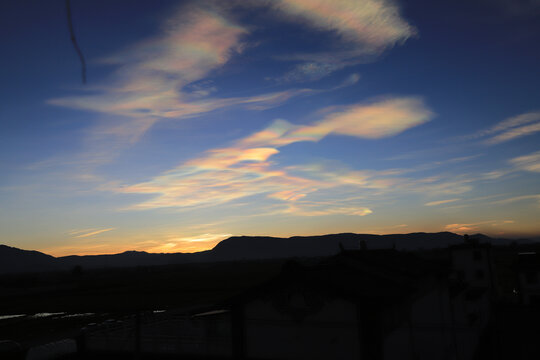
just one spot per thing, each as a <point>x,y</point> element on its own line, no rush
<point>88,232</point>
<point>517,199</point>
<point>513,122</point>
<point>515,133</point>
<point>478,226</point>
<point>509,129</point>
<point>460,228</point>
<point>364,29</point>
<point>370,120</point>
<point>529,162</point>
<point>323,210</point>
<point>370,23</point>
<point>309,71</point>
<point>441,202</point>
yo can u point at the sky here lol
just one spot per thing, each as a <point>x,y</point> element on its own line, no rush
<point>200,120</point>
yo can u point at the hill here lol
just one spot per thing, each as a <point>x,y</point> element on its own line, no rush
<point>13,260</point>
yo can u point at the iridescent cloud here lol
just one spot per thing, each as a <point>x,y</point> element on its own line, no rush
<point>374,24</point>
<point>365,28</point>
<point>151,74</point>
<point>475,227</point>
<point>464,228</point>
<point>371,120</point>
<point>245,169</point>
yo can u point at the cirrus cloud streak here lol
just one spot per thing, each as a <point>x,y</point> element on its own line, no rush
<point>364,30</point>
<point>510,129</point>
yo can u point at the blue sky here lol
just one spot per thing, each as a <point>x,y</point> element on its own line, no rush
<point>205,119</point>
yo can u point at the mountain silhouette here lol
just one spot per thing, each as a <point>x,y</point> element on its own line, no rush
<point>13,260</point>
<point>250,247</point>
<point>125,259</point>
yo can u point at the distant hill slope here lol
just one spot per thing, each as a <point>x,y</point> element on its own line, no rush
<point>13,260</point>
<point>125,259</point>
<point>250,247</point>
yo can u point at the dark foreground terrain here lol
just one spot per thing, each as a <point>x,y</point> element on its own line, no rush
<point>114,293</point>
<point>470,300</point>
